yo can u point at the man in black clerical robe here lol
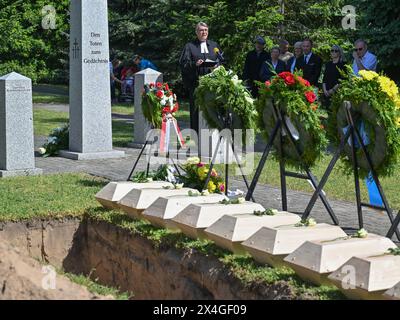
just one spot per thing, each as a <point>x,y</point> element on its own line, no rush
<point>193,63</point>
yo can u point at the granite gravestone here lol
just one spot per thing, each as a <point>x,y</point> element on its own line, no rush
<point>90,94</point>
<point>16,127</point>
<point>142,126</point>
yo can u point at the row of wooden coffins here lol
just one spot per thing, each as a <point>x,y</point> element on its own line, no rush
<point>365,266</point>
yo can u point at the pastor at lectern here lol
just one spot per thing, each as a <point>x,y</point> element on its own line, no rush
<point>199,57</point>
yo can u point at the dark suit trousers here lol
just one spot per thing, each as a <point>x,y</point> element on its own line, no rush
<point>194,112</point>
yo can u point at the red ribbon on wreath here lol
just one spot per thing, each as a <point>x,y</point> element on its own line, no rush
<point>168,121</point>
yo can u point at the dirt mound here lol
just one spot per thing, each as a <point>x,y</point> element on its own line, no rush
<point>23,278</point>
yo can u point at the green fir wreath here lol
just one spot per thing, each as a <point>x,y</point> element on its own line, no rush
<point>220,91</point>
<point>375,104</point>
<point>295,98</point>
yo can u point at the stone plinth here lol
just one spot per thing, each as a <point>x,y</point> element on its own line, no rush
<point>90,96</point>
<point>142,126</point>
<point>17,155</point>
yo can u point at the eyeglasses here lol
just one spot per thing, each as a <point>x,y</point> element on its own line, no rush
<point>334,50</point>
<point>358,49</point>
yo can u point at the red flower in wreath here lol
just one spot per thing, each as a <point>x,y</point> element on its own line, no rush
<point>166,86</point>
<point>289,80</point>
<point>151,85</point>
<point>288,77</point>
<point>304,81</point>
<point>160,94</point>
<point>175,108</point>
<point>310,96</point>
<point>285,74</point>
<point>159,85</point>
<point>267,83</point>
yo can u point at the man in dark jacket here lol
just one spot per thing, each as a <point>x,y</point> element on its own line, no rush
<point>310,63</point>
<point>272,66</point>
<point>195,61</point>
<point>252,66</point>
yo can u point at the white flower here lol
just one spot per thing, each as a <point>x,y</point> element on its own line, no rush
<point>179,186</point>
<point>171,101</point>
<point>249,99</point>
<point>241,200</point>
<point>149,179</point>
<point>362,233</point>
<point>205,193</point>
<point>51,139</point>
<point>193,160</point>
<point>311,222</point>
<point>57,130</point>
<point>42,151</point>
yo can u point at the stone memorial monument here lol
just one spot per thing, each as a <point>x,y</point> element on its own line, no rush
<point>90,93</point>
<point>142,126</point>
<point>17,157</point>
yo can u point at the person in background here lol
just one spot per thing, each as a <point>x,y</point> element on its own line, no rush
<point>253,64</point>
<point>113,81</point>
<point>294,62</point>
<point>311,64</point>
<point>285,54</point>
<point>363,59</point>
<point>273,66</point>
<point>193,65</point>
<point>332,73</point>
<point>143,64</point>
<point>127,78</point>
<point>117,68</point>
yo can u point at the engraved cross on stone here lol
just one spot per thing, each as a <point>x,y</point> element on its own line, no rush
<point>75,49</point>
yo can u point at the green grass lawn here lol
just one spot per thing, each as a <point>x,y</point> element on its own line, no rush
<point>49,98</point>
<point>44,121</point>
<point>48,196</point>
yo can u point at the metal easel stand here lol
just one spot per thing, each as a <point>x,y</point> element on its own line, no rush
<point>280,127</point>
<point>228,144</point>
<point>148,142</point>
<point>354,135</point>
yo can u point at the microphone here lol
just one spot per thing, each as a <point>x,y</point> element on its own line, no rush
<point>220,56</point>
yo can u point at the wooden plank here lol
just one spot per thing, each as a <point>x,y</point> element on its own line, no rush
<point>164,209</point>
<point>231,230</point>
<point>115,191</point>
<point>271,245</point>
<point>314,260</point>
<point>194,219</point>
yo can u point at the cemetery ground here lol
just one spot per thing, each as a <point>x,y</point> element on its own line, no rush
<point>60,206</point>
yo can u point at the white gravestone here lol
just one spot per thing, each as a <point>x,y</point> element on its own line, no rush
<point>90,95</point>
<point>17,156</point>
<point>142,126</point>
